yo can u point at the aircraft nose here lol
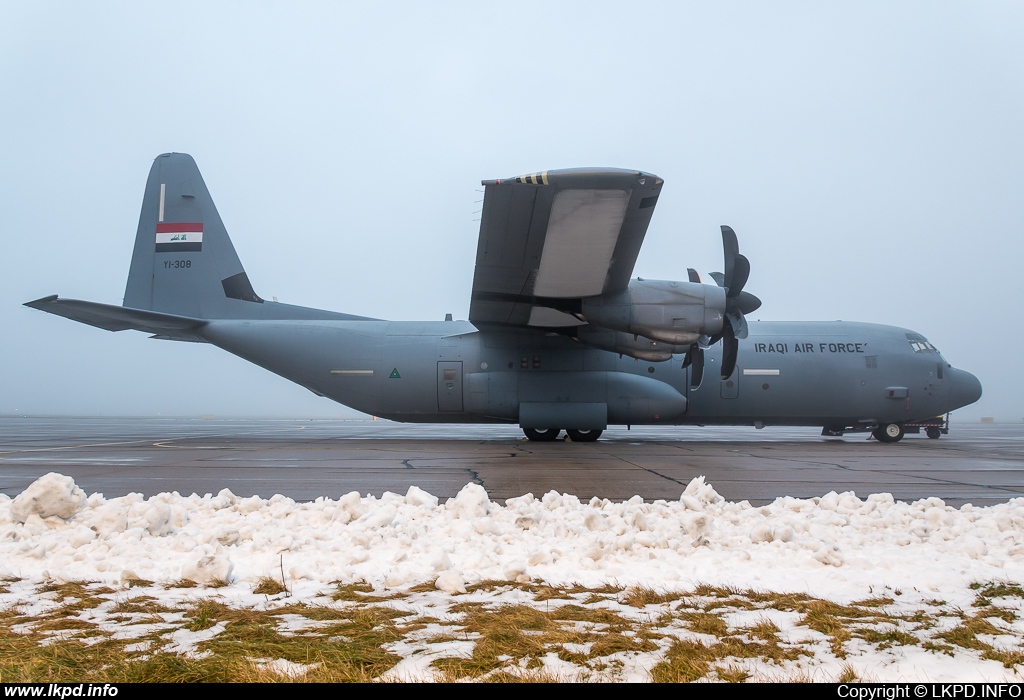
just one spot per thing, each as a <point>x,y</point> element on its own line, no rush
<point>965,388</point>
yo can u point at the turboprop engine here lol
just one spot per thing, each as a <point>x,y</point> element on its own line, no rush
<point>628,344</point>
<point>678,313</point>
<point>656,319</point>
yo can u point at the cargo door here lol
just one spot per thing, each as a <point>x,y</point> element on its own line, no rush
<point>449,387</point>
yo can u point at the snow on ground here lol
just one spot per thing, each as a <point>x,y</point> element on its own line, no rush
<point>837,547</point>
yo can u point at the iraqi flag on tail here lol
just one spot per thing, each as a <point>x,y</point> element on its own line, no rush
<point>179,238</point>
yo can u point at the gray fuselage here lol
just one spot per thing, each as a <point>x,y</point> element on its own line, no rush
<point>822,374</point>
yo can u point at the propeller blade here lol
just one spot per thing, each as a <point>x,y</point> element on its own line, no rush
<point>693,275</point>
<point>738,303</point>
<point>738,323</point>
<point>740,273</point>
<point>730,349</point>
<point>747,303</point>
<point>696,366</point>
<point>732,249</point>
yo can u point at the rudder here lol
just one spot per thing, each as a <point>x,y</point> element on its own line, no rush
<point>184,262</point>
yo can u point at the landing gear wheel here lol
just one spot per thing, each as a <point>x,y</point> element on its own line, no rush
<point>541,434</point>
<point>584,435</point>
<point>933,433</point>
<point>890,432</point>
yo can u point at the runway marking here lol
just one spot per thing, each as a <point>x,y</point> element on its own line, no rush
<point>69,447</point>
<point>165,445</point>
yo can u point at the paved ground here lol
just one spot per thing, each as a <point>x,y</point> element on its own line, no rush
<point>980,464</point>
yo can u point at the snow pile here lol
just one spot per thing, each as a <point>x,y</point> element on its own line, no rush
<point>50,496</point>
<point>836,546</point>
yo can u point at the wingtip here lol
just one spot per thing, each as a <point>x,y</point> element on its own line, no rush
<point>40,302</point>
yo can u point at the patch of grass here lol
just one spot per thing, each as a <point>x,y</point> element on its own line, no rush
<point>350,650</point>
<point>205,613</point>
<point>705,623</point>
<point>501,634</point>
<point>685,662</point>
<point>597,616</point>
<point>998,589</point>
<point>779,601</point>
<point>491,584</point>
<point>349,638</point>
<point>706,591</point>
<point>139,604</point>
<point>319,613</point>
<point>831,619</point>
<point>998,613</point>
<point>1009,659</point>
<point>138,583</point>
<point>524,677</point>
<point>67,623</point>
<point>363,592</point>
<point>183,583</point>
<point>518,636</point>
<point>965,635</point>
<point>82,595</point>
<point>641,596</point>
<point>269,586</point>
<point>732,603</point>
<point>613,643</point>
<point>938,647</point>
<point>731,674</point>
<point>765,630</point>
<point>886,638</point>
<point>847,675</point>
<point>545,592</point>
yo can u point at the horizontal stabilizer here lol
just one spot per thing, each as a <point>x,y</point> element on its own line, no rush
<point>120,318</point>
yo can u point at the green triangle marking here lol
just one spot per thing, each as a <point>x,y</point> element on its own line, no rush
<point>395,374</point>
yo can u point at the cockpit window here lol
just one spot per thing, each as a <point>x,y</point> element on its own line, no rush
<point>920,344</point>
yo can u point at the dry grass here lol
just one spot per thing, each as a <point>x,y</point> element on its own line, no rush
<point>639,597</point>
<point>350,637</point>
<point>269,586</point>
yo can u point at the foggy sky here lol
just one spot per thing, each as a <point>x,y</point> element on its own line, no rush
<point>868,155</point>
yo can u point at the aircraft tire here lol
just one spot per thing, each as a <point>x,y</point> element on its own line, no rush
<point>584,435</point>
<point>890,432</point>
<point>933,433</point>
<point>541,434</point>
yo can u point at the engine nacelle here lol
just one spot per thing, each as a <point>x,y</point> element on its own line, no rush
<point>671,312</point>
<point>625,344</point>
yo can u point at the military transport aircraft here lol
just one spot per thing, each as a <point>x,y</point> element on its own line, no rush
<point>560,335</point>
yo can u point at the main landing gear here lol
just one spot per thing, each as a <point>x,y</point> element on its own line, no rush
<point>551,434</point>
<point>890,432</point>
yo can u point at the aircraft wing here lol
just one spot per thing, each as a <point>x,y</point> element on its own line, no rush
<point>549,239</point>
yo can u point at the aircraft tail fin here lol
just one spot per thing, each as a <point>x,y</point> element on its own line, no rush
<point>184,263</point>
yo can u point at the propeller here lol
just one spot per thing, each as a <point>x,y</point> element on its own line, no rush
<point>738,303</point>
<point>695,358</point>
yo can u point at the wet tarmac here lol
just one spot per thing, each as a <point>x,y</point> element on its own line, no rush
<point>975,463</point>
